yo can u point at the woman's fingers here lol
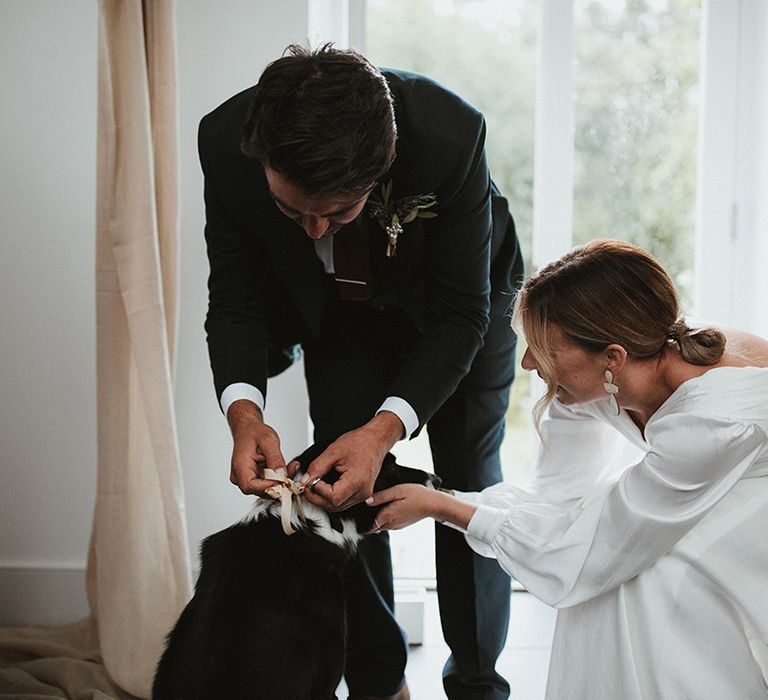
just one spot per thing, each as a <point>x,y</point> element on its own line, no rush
<point>381,497</point>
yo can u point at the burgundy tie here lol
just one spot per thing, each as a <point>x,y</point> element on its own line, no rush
<point>351,264</point>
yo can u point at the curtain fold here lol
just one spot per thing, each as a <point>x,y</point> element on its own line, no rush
<point>139,565</point>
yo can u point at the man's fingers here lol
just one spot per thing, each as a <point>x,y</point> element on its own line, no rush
<point>318,467</point>
<point>246,473</point>
<point>322,494</point>
<point>270,450</point>
<point>319,489</point>
<point>242,471</point>
<point>292,468</point>
<point>347,491</point>
<point>251,485</point>
<point>331,497</point>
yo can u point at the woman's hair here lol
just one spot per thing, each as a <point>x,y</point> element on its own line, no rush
<point>607,292</point>
<point>324,120</point>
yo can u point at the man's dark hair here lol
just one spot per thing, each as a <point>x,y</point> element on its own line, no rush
<point>324,120</point>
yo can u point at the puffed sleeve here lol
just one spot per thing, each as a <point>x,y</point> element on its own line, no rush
<point>567,553</point>
<point>577,450</point>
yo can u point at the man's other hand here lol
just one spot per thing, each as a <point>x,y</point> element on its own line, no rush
<point>256,446</point>
<point>357,456</point>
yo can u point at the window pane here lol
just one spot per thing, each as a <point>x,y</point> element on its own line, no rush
<point>636,82</point>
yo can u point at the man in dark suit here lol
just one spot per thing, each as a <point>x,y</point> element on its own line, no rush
<point>350,212</point>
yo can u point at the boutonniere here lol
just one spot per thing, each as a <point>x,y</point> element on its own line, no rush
<point>392,216</point>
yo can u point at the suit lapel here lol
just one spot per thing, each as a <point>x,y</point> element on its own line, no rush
<point>393,274</point>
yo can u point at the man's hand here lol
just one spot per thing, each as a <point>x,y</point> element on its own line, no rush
<point>256,446</point>
<point>357,455</point>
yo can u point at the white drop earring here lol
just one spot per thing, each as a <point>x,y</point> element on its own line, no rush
<point>612,390</point>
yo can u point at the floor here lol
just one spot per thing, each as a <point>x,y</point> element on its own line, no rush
<point>523,662</point>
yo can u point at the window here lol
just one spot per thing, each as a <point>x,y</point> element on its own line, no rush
<point>485,51</point>
<point>636,115</point>
<point>613,121</point>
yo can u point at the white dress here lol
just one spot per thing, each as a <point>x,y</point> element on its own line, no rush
<point>660,573</point>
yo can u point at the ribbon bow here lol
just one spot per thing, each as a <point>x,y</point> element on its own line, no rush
<point>284,492</point>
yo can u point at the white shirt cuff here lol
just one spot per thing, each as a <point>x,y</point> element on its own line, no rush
<point>240,390</point>
<point>486,523</point>
<point>404,411</point>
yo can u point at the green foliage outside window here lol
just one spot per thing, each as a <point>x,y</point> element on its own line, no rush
<point>636,68</point>
<point>636,96</point>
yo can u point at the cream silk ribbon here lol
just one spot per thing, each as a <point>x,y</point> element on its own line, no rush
<point>284,492</point>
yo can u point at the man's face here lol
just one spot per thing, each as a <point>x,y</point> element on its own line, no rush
<point>318,216</point>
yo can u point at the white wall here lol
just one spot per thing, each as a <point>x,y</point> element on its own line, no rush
<point>47,353</point>
<point>47,313</point>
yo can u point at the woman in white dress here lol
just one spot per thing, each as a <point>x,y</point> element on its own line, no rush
<point>660,571</point>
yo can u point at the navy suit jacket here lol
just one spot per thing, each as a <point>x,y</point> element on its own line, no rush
<point>268,288</point>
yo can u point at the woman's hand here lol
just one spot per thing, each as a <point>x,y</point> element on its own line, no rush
<point>406,504</point>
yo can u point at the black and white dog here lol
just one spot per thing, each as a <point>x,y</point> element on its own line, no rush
<point>267,618</point>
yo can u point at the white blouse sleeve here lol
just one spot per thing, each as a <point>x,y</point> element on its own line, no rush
<point>577,451</point>
<point>565,552</point>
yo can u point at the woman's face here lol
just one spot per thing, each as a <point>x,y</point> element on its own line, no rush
<point>580,373</point>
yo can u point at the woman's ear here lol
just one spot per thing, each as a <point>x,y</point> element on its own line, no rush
<point>615,357</point>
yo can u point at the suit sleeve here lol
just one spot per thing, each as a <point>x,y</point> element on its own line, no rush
<point>456,281</point>
<point>235,325</point>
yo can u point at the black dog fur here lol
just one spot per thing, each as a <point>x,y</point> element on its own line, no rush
<point>267,617</point>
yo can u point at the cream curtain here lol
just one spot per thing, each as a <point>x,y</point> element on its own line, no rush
<point>138,576</point>
<point>139,564</point>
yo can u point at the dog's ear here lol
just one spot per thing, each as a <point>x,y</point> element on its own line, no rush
<point>387,473</point>
<point>409,475</point>
<point>393,473</point>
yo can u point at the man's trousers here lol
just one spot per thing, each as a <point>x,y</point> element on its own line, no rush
<point>349,369</point>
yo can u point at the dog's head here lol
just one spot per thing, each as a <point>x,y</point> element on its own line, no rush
<point>348,526</point>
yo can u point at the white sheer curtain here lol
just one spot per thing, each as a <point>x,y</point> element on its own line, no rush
<point>139,564</point>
